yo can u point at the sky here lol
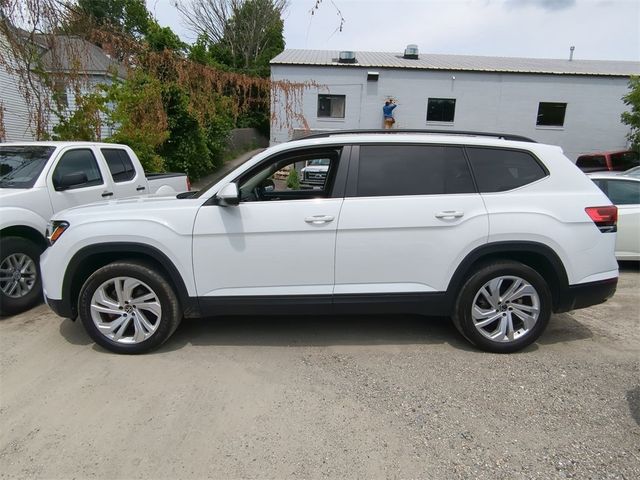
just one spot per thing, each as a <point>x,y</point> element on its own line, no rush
<point>599,29</point>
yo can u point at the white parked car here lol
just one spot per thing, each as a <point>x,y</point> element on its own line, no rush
<point>315,172</point>
<point>39,179</point>
<point>495,231</point>
<point>623,189</point>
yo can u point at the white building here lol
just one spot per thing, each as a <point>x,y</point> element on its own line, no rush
<point>572,103</point>
<point>16,123</point>
<point>79,65</point>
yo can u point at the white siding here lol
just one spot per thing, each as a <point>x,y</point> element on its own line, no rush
<point>16,114</point>
<point>498,102</point>
<point>90,85</point>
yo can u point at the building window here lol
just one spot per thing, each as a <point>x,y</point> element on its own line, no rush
<point>441,109</point>
<point>551,114</point>
<point>331,106</point>
<point>60,94</point>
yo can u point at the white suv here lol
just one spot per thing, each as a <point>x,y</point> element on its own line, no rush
<point>495,231</point>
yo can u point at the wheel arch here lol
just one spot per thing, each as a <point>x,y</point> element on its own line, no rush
<point>538,256</point>
<point>26,232</point>
<point>91,258</point>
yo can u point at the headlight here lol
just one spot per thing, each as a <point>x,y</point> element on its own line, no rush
<point>55,229</point>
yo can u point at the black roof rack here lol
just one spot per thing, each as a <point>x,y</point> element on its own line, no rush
<point>503,136</point>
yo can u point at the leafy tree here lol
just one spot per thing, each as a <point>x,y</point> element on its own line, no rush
<point>161,38</point>
<point>85,122</point>
<point>130,16</point>
<point>185,149</point>
<point>137,114</point>
<point>632,118</point>
<point>242,34</point>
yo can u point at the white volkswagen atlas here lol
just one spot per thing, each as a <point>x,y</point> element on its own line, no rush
<point>496,231</point>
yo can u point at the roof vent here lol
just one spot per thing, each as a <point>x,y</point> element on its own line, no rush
<point>411,52</point>
<point>347,56</point>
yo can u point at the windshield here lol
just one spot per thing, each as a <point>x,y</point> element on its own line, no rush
<point>624,160</point>
<point>21,165</point>
<point>222,172</point>
<point>319,161</point>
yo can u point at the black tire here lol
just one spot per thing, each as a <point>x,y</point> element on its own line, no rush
<point>462,315</point>
<point>9,246</point>
<point>171,313</point>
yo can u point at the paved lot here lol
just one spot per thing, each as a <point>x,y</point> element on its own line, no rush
<point>325,398</point>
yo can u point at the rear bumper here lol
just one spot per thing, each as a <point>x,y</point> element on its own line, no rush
<point>587,294</point>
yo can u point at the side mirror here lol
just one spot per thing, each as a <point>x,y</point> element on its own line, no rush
<point>228,195</point>
<point>69,180</point>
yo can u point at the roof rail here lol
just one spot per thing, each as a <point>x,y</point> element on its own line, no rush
<point>503,136</point>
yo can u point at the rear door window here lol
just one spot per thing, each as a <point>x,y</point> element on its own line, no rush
<point>386,170</point>
<point>120,165</point>
<point>499,170</point>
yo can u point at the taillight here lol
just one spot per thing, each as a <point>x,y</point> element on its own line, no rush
<point>188,184</point>
<point>605,218</point>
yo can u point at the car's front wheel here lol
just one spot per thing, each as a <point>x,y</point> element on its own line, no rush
<point>129,307</point>
<point>20,282</point>
<point>503,307</point>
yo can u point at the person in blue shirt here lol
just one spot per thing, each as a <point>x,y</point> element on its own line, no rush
<point>387,112</point>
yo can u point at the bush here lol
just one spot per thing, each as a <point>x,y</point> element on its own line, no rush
<point>293,182</point>
<point>186,148</point>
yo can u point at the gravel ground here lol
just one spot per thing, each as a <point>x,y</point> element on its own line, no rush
<point>389,397</point>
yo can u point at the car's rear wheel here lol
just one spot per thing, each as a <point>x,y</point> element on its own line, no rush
<point>20,282</point>
<point>503,307</point>
<point>129,307</point>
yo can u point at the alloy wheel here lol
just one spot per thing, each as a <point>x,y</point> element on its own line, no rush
<point>505,308</point>
<point>18,275</point>
<point>126,310</point>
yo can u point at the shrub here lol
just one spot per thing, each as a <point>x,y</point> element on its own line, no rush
<point>293,182</point>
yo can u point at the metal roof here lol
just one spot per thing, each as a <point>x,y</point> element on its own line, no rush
<point>470,63</point>
<point>65,53</point>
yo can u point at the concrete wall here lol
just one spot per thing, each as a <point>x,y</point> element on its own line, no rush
<point>492,102</point>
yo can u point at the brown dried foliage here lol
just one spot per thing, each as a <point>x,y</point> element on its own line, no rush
<point>41,30</point>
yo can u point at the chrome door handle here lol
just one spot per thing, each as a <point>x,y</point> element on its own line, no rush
<point>319,219</point>
<point>449,214</point>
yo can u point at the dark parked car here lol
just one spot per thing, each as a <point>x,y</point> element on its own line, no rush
<point>617,161</point>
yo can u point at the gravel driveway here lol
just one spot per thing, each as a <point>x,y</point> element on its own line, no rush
<point>389,397</point>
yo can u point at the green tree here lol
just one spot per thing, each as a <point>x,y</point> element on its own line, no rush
<point>130,16</point>
<point>86,120</point>
<point>137,115</point>
<point>185,149</point>
<point>161,38</point>
<point>632,118</point>
<point>242,34</point>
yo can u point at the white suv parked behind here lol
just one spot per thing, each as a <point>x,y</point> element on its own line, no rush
<point>496,231</point>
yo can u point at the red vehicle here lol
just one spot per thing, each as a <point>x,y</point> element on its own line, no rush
<point>617,161</point>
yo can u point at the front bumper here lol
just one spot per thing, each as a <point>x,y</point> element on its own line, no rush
<point>60,307</point>
<point>586,295</point>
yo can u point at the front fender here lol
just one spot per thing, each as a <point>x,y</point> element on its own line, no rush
<point>22,217</point>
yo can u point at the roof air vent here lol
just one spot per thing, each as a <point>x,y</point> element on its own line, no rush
<point>411,52</point>
<point>347,56</point>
